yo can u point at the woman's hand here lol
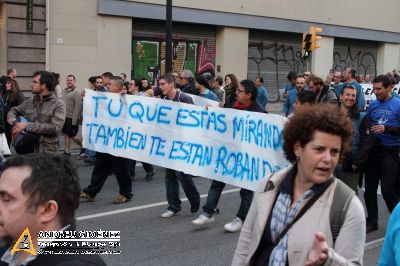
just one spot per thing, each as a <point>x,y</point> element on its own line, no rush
<point>319,252</point>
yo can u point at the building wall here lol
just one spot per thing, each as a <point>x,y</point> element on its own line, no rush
<point>3,39</point>
<point>21,49</point>
<point>86,44</point>
<point>388,54</point>
<point>322,60</point>
<point>232,51</point>
<point>340,12</point>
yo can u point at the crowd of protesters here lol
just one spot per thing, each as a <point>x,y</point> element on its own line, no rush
<point>334,144</point>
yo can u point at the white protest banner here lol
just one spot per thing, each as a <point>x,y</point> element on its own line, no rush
<point>232,146</point>
<point>201,101</point>
<point>369,94</point>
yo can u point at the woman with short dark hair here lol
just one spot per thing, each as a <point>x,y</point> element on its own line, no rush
<point>289,220</point>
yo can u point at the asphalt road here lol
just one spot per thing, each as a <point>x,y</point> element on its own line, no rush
<point>147,239</point>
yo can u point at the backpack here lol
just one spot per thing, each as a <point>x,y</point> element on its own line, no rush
<point>340,204</point>
<point>342,198</point>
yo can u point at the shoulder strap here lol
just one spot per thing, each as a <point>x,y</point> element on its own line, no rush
<point>340,203</point>
<point>304,209</point>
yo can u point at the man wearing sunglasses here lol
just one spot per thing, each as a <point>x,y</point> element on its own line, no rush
<point>186,82</point>
<point>246,95</point>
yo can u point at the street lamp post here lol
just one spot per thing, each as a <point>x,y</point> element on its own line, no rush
<point>168,38</point>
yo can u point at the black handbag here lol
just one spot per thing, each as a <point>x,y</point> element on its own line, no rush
<point>25,141</point>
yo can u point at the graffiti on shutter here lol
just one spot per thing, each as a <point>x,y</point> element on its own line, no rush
<point>273,61</point>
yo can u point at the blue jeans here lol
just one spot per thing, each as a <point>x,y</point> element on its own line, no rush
<point>214,193</point>
<point>172,180</point>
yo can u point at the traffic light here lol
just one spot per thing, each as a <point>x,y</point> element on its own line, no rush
<point>306,45</point>
<point>315,38</point>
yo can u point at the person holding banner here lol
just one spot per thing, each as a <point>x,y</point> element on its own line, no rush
<point>106,164</point>
<point>131,164</point>
<point>246,95</point>
<point>173,177</point>
<point>288,221</point>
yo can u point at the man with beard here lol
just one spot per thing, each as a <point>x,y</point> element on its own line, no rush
<point>45,114</point>
<point>325,94</point>
<point>288,106</point>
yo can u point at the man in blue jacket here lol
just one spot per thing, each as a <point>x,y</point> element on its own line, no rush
<point>382,165</point>
<point>288,107</point>
<point>349,75</point>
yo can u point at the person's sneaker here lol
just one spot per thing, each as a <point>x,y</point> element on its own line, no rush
<point>121,199</point>
<point>169,214</point>
<point>86,197</point>
<point>149,177</point>
<point>202,220</point>
<point>234,226</point>
<point>67,153</point>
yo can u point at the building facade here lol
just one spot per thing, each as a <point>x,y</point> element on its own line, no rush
<point>247,38</point>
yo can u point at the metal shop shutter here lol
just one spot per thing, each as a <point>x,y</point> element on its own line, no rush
<point>194,47</point>
<point>358,54</point>
<point>272,55</point>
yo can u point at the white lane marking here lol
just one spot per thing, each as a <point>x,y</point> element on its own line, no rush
<point>374,243</point>
<point>102,214</point>
<point>368,245</point>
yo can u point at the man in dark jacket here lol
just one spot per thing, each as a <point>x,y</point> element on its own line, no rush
<point>186,82</point>
<point>246,100</point>
<point>380,150</point>
<point>324,93</point>
<point>39,192</point>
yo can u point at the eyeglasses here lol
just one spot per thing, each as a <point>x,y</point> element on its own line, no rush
<point>239,91</point>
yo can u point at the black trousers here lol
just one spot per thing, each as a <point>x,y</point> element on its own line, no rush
<point>214,193</point>
<point>383,166</point>
<point>131,164</point>
<point>104,166</point>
